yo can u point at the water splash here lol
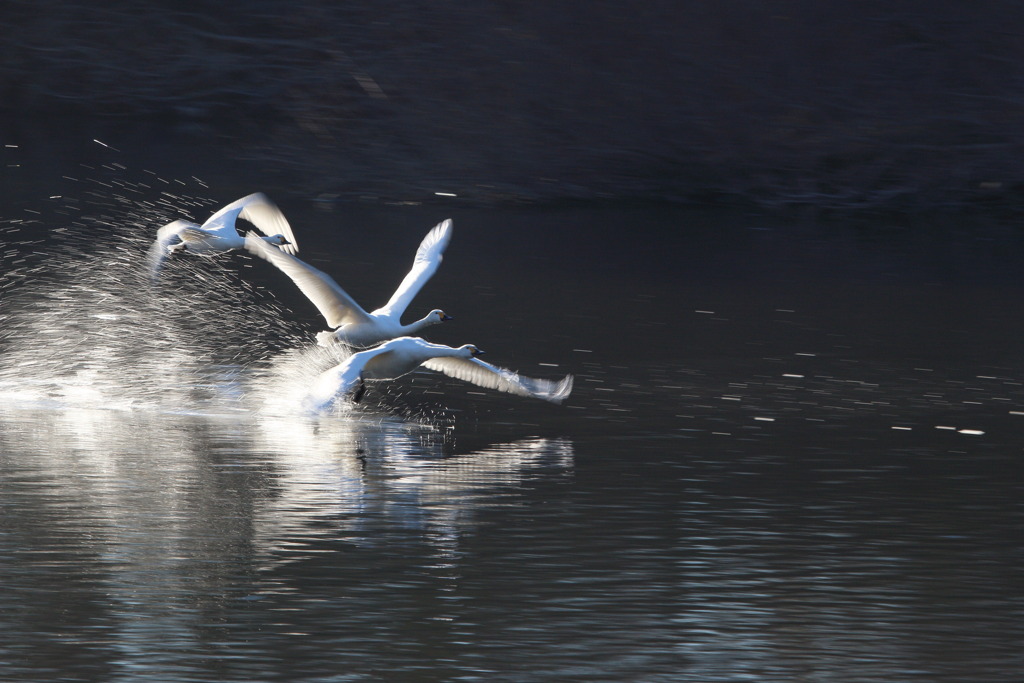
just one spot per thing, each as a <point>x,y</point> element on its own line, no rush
<point>279,387</point>
<point>82,325</point>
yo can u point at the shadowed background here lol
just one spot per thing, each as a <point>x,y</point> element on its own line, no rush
<point>842,105</point>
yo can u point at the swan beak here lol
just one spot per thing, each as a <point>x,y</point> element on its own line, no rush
<point>477,352</point>
<point>445,317</point>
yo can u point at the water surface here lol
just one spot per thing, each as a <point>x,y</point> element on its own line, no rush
<point>792,452</point>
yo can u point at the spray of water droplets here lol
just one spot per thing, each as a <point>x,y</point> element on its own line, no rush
<point>82,324</point>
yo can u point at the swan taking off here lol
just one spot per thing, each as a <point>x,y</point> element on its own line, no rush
<point>400,356</point>
<point>220,234</point>
<point>354,326</point>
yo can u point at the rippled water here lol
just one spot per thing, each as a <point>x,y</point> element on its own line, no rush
<point>792,453</point>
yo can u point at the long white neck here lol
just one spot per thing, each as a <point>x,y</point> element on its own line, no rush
<point>413,328</point>
<point>459,352</point>
<point>444,351</point>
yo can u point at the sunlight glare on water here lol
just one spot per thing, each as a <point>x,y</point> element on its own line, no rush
<point>148,516</point>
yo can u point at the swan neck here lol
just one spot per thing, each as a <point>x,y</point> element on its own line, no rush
<point>420,324</point>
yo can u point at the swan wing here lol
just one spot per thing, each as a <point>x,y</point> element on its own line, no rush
<point>380,362</point>
<point>333,302</point>
<point>222,223</point>
<point>476,371</point>
<point>165,237</point>
<point>424,265</point>
<point>331,383</point>
<point>259,210</point>
<point>169,232</point>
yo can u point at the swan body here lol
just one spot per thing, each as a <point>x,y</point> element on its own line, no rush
<point>352,325</point>
<point>401,356</point>
<point>219,233</point>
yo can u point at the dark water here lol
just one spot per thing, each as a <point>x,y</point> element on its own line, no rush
<point>793,451</point>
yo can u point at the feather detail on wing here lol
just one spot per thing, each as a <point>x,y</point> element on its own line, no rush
<point>476,371</point>
<point>337,307</point>
<point>428,258</point>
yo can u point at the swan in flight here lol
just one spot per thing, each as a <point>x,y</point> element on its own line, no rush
<point>401,356</point>
<point>220,234</point>
<point>354,326</point>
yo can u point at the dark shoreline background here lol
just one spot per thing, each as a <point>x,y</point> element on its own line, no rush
<point>849,106</point>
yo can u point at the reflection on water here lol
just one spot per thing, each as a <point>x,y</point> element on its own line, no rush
<point>157,526</point>
<point>144,546</point>
<point>772,482</point>
<point>385,472</point>
<point>310,478</point>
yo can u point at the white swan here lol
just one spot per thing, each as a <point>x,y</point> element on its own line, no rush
<point>400,356</point>
<point>219,233</point>
<point>356,327</point>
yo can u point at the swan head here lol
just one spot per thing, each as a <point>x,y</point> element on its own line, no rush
<point>471,350</point>
<point>277,240</point>
<point>439,314</point>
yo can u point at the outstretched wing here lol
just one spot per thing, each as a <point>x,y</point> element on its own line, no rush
<point>476,371</point>
<point>166,236</point>
<point>424,265</point>
<point>337,307</point>
<point>259,210</point>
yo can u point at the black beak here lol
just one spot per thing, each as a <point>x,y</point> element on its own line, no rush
<point>478,352</point>
<point>446,317</point>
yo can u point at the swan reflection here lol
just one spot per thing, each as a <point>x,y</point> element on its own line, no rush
<point>361,479</point>
<point>167,523</point>
<point>202,488</point>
